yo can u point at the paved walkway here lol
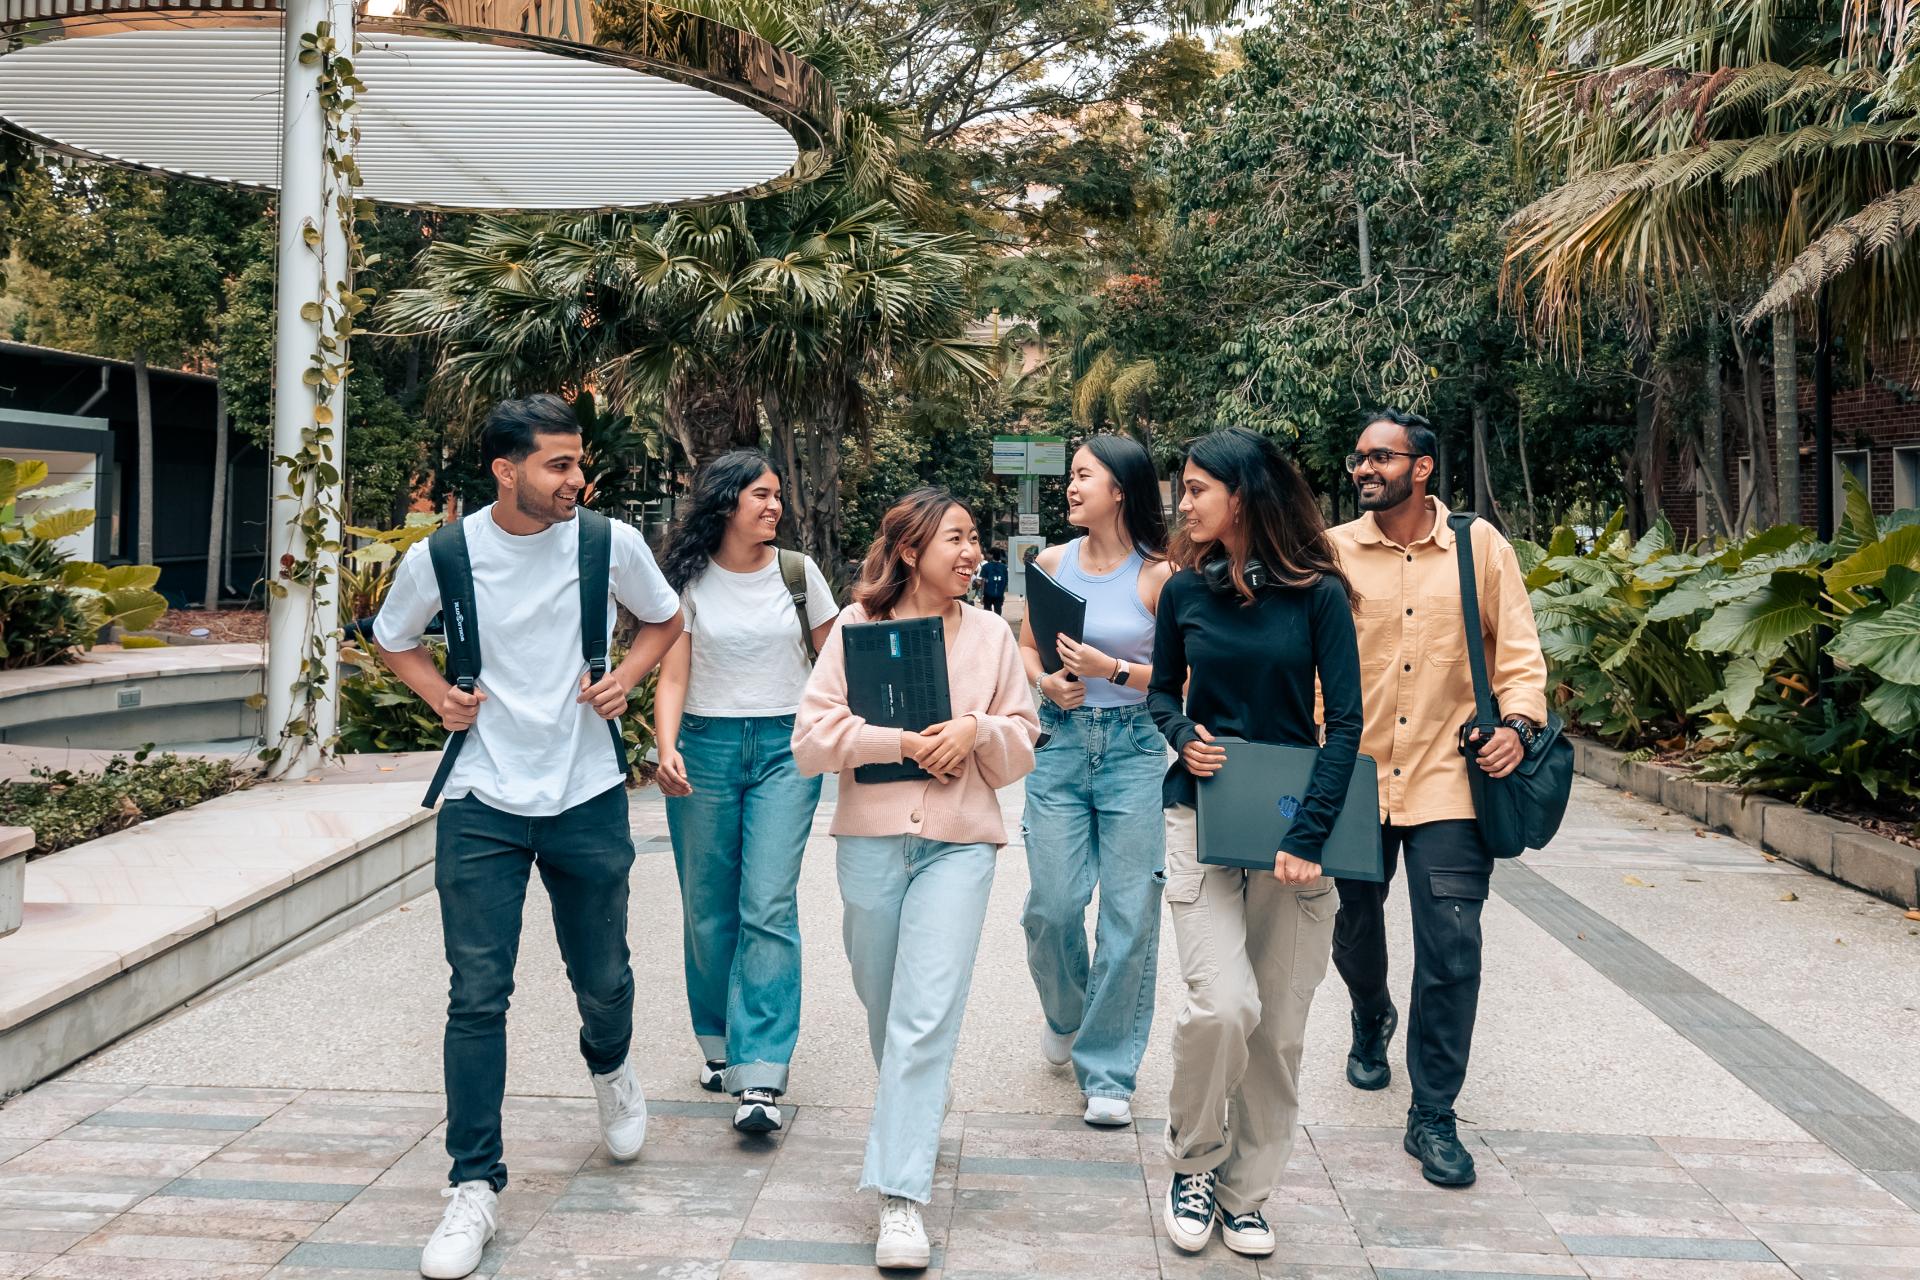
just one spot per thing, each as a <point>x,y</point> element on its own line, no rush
<point>1692,1062</point>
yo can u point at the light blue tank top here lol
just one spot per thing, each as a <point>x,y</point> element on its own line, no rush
<point>1117,623</point>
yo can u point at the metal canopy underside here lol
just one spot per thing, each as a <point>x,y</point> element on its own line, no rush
<point>452,118</point>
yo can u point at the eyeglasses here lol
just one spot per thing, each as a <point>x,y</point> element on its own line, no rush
<point>1378,457</point>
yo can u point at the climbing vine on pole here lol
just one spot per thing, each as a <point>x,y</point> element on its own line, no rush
<point>313,470</point>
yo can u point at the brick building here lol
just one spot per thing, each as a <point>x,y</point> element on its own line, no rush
<point>1876,437</point>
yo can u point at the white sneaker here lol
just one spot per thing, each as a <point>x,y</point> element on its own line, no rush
<point>454,1248</point>
<point>713,1075</point>
<point>1109,1111</point>
<point>1054,1047</point>
<point>1247,1233</point>
<point>623,1111</point>
<point>903,1237</point>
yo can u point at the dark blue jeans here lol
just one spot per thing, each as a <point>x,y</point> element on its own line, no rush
<point>481,862</point>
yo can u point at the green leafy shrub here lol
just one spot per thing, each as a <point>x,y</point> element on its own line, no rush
<point>52,607</point>
<point>1792,664</point>
<point>67,807</point>
<point>368,569</point>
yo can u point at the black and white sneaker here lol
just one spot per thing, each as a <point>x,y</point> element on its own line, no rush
<point>758,1112</point>
<point>1246,1233</point>
<point>713,1075</point>
<point>1190,1210</point>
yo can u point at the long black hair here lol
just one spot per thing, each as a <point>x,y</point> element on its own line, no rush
<point>1285,531</point>
<point>702,520</point>
<point>1131,467</point>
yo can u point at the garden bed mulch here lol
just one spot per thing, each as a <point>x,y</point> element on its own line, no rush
<point>228,626</point>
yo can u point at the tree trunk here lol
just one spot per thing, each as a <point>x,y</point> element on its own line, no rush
<point>1641,461</point>
<point>1786,417</point>
<point>216,522</point>
<point>1366,244</point>
<point>806,453</point>
<point>1482,476</point>
<point>707,421</point>
<point>143,413</point>
<point>1757,510</point>
<point>1442,472</point>
<point>1712,452</point>
<point>1526,472</point>
<point>1823,490</point>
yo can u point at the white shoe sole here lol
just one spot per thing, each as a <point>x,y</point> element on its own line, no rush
<point>1109,1120</point>
<point>1183,1239</point>
<point>1245,1246</point>
<point>757,1117</point>
<point>452,1269</point>
<point>903,1258</point>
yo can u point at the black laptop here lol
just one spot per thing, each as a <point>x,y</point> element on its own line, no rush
<point>1245,809</point>
<point>897,678</point>
<point>1053,611</point>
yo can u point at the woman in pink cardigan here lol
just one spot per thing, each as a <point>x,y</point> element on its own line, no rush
<point>916,858</point>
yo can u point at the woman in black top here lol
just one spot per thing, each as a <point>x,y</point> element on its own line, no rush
<point>1258,610</point>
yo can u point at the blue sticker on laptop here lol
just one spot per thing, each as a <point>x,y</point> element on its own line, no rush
<point>1289,806</point>
<point>893,644</point>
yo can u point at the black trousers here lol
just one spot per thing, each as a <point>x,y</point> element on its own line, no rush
<point>1448,874</point>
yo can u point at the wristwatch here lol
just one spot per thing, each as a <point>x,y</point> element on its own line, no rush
<point>1121,671</point>
<point>1528,731</point>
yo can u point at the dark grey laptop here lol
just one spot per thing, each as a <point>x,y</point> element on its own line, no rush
<point>1245,809</point>
<point>1053,611</point>
<point>897,677</point>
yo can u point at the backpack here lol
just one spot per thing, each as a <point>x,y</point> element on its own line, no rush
<point>453,571</point>
<point>793,572</point>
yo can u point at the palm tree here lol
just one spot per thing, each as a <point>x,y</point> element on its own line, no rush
<point>1724,158</point>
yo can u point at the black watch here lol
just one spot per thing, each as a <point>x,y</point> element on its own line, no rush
<point>1529,734</point>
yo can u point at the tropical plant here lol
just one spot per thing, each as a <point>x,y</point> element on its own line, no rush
<point>368,569</point>
<point>51,605</point>
<point>1794,664</point>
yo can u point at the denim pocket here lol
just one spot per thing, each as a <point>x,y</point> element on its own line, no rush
<point>691,723</point>
<point>1146,739</point>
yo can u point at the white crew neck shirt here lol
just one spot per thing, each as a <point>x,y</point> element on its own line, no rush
<point>534,751</point>
<point>747,656</point>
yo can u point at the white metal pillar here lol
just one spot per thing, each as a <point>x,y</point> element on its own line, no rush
<point>303,186</point>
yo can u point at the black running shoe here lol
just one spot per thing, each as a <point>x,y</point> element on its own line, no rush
<point>1433,1138</point>
<point>1367,1060</point>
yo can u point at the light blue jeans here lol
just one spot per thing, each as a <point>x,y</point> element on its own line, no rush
<point>1093,818</point>
<point>737,844</point>
<point>913,913</point>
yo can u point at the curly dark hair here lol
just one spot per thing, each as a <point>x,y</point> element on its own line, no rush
<point>702,520</point>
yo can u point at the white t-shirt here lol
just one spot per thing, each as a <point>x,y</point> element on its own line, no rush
<point>747,658</point>
<point>534,750</point>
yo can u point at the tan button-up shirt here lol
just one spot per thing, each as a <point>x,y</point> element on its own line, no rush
<point>1417,688</point>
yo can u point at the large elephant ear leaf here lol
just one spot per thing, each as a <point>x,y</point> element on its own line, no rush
<point>1858,527</point>
<point>1886,643</point>
<point>1867,566</point>
<point>1894,707</point>
<point>1761,623</point>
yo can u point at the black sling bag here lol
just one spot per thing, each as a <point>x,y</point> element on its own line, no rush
<point>1522,810</point>
<point>453,571</point>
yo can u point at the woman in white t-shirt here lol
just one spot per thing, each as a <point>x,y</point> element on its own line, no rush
<point>737,807</point>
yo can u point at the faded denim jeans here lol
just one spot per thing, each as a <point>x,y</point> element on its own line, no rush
<point>737,845</point>
<point>913,913</point>
<point>1093,818</point>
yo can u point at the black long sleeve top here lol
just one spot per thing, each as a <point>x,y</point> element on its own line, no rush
<point>1249,673</point>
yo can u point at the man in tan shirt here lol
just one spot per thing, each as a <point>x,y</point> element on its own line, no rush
<point>1418,691</point>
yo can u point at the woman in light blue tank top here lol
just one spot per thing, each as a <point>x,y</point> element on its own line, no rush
<point>1093,799</point>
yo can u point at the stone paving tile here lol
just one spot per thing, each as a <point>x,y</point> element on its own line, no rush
<point>1669,1269</point>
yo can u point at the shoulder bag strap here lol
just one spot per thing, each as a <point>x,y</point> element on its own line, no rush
<point>596,569</point>
<point>793,572</point>
<point>453,573</point>
<point>1484,711</point>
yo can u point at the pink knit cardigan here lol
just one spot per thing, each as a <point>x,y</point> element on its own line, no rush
<point>986,681</point>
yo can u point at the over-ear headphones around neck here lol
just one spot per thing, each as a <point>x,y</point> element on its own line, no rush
<point>1217,573</point>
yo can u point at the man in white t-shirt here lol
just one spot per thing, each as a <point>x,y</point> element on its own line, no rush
<point>536,785</point>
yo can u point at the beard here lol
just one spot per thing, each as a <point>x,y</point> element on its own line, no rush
<point>547,510</point>
<point>1390,495</point>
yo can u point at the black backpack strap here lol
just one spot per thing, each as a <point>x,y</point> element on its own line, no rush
<point>596,569</point>
<point>793,572</point>
<point>453,572</point>
<point>1485,712</point>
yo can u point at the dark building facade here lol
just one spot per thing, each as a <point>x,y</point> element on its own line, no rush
<point>77,411</point>
<point>1876,438</point>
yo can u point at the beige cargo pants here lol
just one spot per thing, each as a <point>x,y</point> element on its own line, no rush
<point>1252,950</point>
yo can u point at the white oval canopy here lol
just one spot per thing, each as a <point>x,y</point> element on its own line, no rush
<point>444,123</point>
